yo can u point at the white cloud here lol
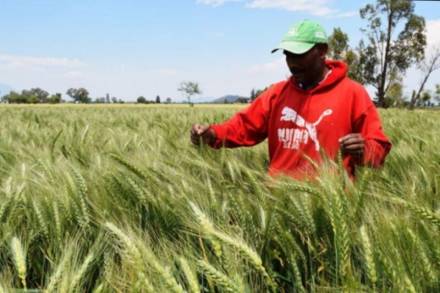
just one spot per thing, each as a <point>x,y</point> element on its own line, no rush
<point>344,14</point>
<point>275,66</point>
<point>313,7</point>
<point>74,74</point>
<point>30,62</point>
<point>216,3</point>
<point>432,35</point>
<point>51,73</point>
<point>166,72</point>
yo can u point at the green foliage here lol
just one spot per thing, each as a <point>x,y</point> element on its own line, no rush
<point>388,53</point>
<point>79,95</point>
<point>338,44</point>
<point>256,92</point>
<point>115,199</point>
<point>141,100</point>
<point>32,96</point>
<point>340,50</point>
<point>189,89</point>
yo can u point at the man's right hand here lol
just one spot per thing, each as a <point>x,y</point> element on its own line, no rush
<point>202,134</point>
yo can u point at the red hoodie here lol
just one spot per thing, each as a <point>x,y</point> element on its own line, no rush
<point>301,124</point>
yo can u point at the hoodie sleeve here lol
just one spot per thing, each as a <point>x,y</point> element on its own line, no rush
<point>366,121</point>
<point>247,127</point>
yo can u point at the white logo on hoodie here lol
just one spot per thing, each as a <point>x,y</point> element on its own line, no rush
<point>293,137</point>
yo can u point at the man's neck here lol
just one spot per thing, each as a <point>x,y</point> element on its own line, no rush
<point>320,78</point>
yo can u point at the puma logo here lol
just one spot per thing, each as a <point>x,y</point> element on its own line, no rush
<point>291,115</point>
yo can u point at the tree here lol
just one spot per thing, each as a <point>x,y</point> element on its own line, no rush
<point>157,99</point>
<point>35,95</point>
<point>427,66</point>
<point>255,93</point>
<point>14,98</point>
<point>168,100</point>
<point>395,93</point>
<point>141,100</point>
<point>54,99</point>
<point>242,100</point>
<point>338,44</point>
<point>388,53</point>
<point>80,95</point>
<point>189,88</point>
<point>437,93</point>
<point>339,49</point>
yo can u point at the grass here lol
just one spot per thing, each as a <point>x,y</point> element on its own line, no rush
<point>99,199</point>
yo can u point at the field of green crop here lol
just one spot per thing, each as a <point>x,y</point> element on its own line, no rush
<point>115,199</point>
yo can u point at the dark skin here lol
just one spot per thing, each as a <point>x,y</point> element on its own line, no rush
<point>308,70</point>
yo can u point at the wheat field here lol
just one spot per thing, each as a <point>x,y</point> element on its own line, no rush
<point>115,199</point>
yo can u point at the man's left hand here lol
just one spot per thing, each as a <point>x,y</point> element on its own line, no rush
<point>352,144</point>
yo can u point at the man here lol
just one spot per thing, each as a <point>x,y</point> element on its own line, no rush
<point>316,113</point>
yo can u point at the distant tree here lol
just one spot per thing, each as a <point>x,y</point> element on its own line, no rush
<point>107,99</point>
<point>100,100</point>
<point>388,53</point>
<point>339,49</point>
<point>242,100</point>
<point>427,66</point>
<point>29,97</point>
<point>255,93</point>
<point>437,94</point>
<point>35,95</point>
<point>168,100</point>
<point>157,99</point>
<point>189,89</point>
<point>15,98</point>
<point>114,100</point>
<point>54,99</point>
<point>141,100</point>
<point>80,95</point>
<point>338,44</point>
<point>394,96</point>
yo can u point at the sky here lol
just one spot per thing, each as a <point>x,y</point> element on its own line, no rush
<point>135,48</point>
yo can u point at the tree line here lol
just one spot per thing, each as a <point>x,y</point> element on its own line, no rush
<point>78,95</point>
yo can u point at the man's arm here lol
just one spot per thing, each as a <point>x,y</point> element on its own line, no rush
<point>367,144</point>
<point>246,128</point>
<point>376,144</point>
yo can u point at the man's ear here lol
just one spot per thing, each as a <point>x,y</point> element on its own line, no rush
<point>322,49</point>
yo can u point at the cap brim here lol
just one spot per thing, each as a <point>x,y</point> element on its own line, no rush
<point>294,47</point>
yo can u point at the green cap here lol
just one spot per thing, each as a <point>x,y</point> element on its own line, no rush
<point>302,37</point>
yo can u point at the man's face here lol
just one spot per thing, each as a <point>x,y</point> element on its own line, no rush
<point>306,68</point>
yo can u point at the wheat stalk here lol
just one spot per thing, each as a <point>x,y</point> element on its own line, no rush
<point>40,218</point>
<point>82,270</point>
<point>190,277</point>
<point>422,257</point>
<point>217,277</point>
<point>239,244</point>
<point>164,272</point>
<point>19,257</point>
<point>368,255</point>
<point>82,196</point>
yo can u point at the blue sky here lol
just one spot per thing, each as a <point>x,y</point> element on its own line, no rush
<point>132,48</point>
